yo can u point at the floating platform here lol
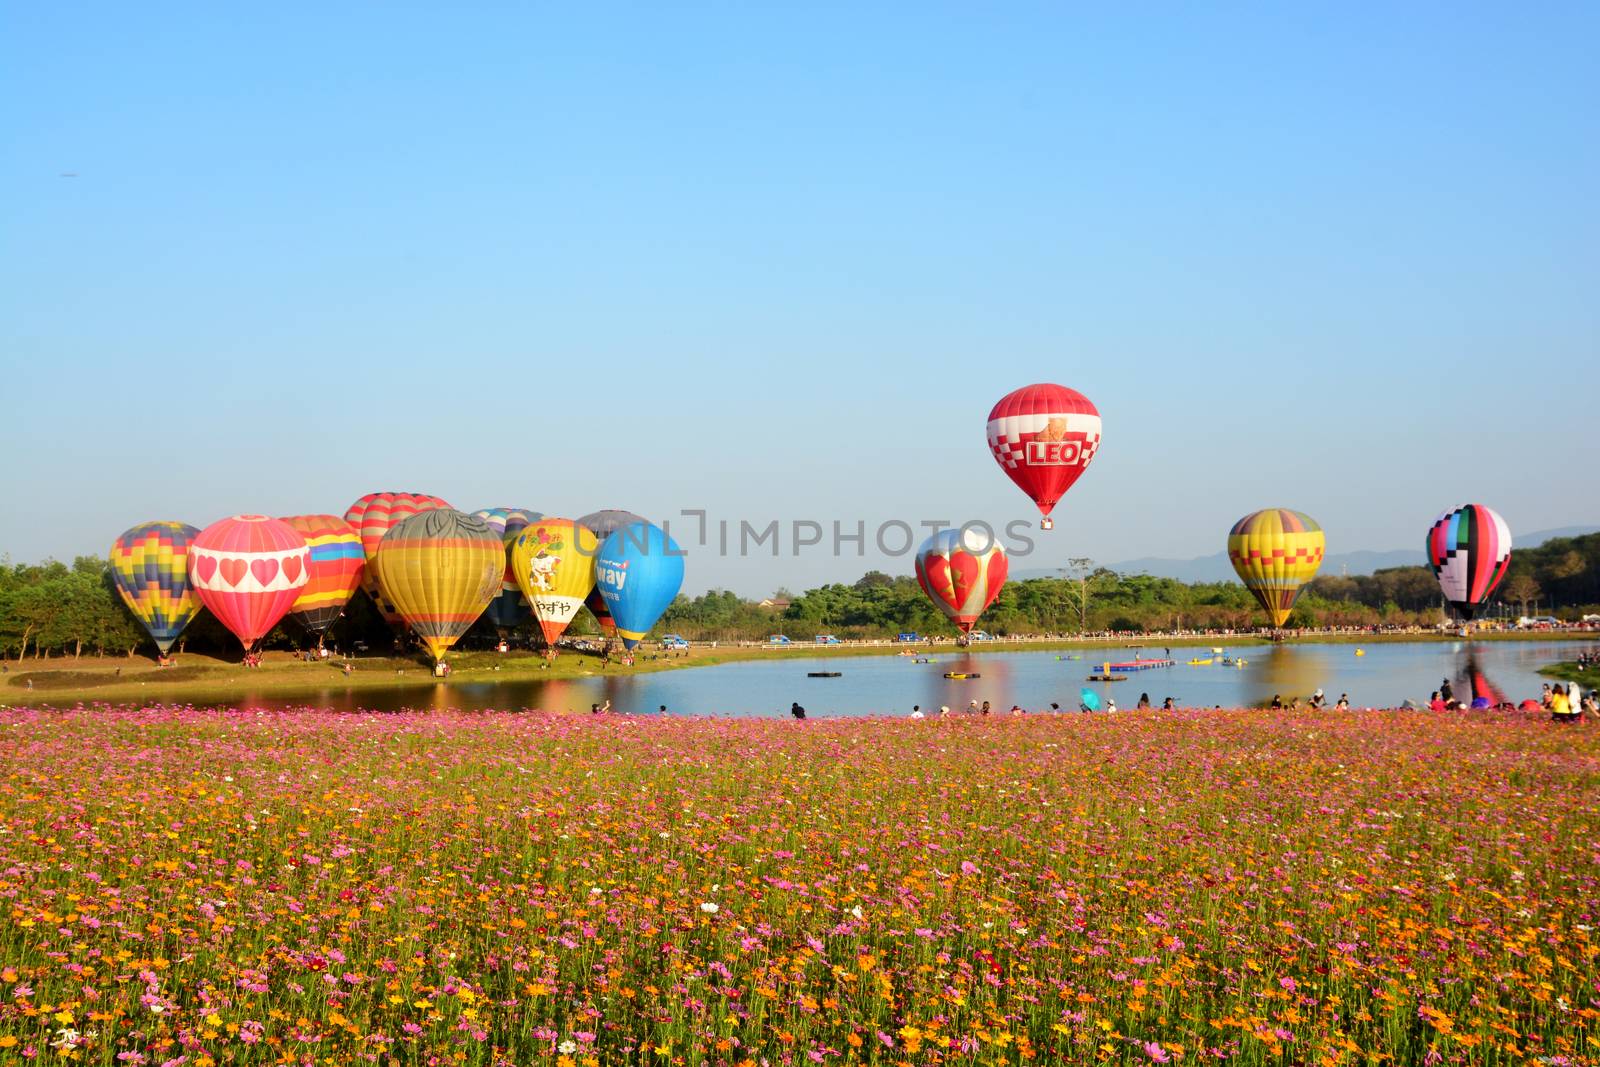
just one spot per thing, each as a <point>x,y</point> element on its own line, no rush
<point>1108,677</point>
<point>1142,665</point>
<point>929,660</point>
<point>824,674</point>
<point>959,674</point>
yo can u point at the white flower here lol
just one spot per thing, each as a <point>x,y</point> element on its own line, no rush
<point>856,911</point>
<point>567,1047</point>
<point>596,891</point>
<point>709,908</point>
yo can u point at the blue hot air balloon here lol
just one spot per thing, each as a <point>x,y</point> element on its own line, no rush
<point>638,570</point>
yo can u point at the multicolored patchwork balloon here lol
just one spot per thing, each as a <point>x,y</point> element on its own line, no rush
<point>373,516</point>
<point>552,562</point>
<point>603,524</point>
<point>961,571</point>
<point>1044,437</point>
<point>509,609</point>
<point>1469,550</point>
<point>337,566</point>
<point>248,570</point>
<point>1275,552</point>
<point>638,570</point>
<point>150,566</point>
<point>440,569</point>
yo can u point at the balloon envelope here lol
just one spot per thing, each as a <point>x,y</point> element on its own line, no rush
<point>1275,552</point>
<point>1044,437</point>
<point>334,573</point>
<point>373,516</point>
<point>552,561</point>
<point>440,569</point>
<point>603,524</point>
<point>248,570</point>
<point>150,566</point>
<point>639,570</point>
<point>961,571</point>
<point>1469,550</point>
<point>509,608</point>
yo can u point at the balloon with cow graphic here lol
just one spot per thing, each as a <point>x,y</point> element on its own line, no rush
<point>638,570</point>
<point>603,524</point>
<point>150,568</point>
<point>337,565</point>
<point>552,562</point>
<point>1469,551</point>
<point>1275,552</point>
<point>373,516</point>
<point>509,609</point>
<point>962,571</point>
<point>440,568</point>
<point>1044,437</point>
<point>248,570</point>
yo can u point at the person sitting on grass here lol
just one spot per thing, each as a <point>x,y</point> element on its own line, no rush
<point>1436,702</point>
<point>1344,702</point>
<point>1561,709</point>
<point>796,710</point>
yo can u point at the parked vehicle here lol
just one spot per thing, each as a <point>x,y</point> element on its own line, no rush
<point>673,643</point>
<point>778,639</point>
<point>980,635</point>
<point>827,639</point>
<point>909,637</point>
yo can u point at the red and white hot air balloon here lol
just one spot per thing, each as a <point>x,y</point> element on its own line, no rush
<point>373,516</point>
<point>1044,437</point>
<point>248,570</point>
<point>962,571</point>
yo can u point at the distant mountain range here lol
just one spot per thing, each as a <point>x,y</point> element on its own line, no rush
<point>1216,568</point>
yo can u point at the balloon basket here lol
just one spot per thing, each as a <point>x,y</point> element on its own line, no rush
<point>1047,523</point>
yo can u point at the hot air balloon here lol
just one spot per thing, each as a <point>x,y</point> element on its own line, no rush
<point>1469,550</point>
<point>602,524</point>
<point>1044,437</point>
<point>248,570</point>
<point>335,572</point>
<point>440,569</point>
<point>638,570</point>
<point>962,572</point>
<point>509,608</point>
<point>372,516</point>
<point>1275,552</point>
<point>553,563</point>
<point>150,565</point>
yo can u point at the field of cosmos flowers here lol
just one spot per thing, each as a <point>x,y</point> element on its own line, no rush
<point>201,888</point>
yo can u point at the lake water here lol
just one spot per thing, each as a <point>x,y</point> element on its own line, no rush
<point>889,685</point>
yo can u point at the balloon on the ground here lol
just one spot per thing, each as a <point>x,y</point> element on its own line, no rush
<point>1044,437</point>
<point>1469,550</point>
<point>509,609</point>
<point>248,570</point>
<point>373,516</point>
<point>440,568</point>
<point>552,562</point>
<point>603,524</point>
<point>638,570</point>
<point>334,573</point>
<point>1275,552</point>
<point>961,571</point>
<point>150,566</point>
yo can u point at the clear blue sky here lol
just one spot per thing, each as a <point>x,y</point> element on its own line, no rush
<point>779,264</point>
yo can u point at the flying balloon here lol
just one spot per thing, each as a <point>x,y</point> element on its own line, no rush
<point>552,561</point>
<point>440,569</point>
<point>150,566</point>
<point>1275,552</point>
<point>638,570</point>
<point>1044,437</point>
<point>603,524</point>
<point>372,516</point>
<point>1469,550</point>
<point>248,570</point>
<point>962,572</point>
<point>334,573</point>
<point>509,608</point>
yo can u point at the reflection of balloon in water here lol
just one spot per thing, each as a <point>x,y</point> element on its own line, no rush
<point>1044,437</point>
<point>962,572</point>
<point>509,608</point>
<point>1275,552</point>
<point>337,564</point>
<point>248,570</point>
<point>639,570</point>
<point>552,561</point>
<point>603,524</point>
<point>440,569</point>
<point>150,566</point>
<point>372,516</point>
<point>1469,550</point>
